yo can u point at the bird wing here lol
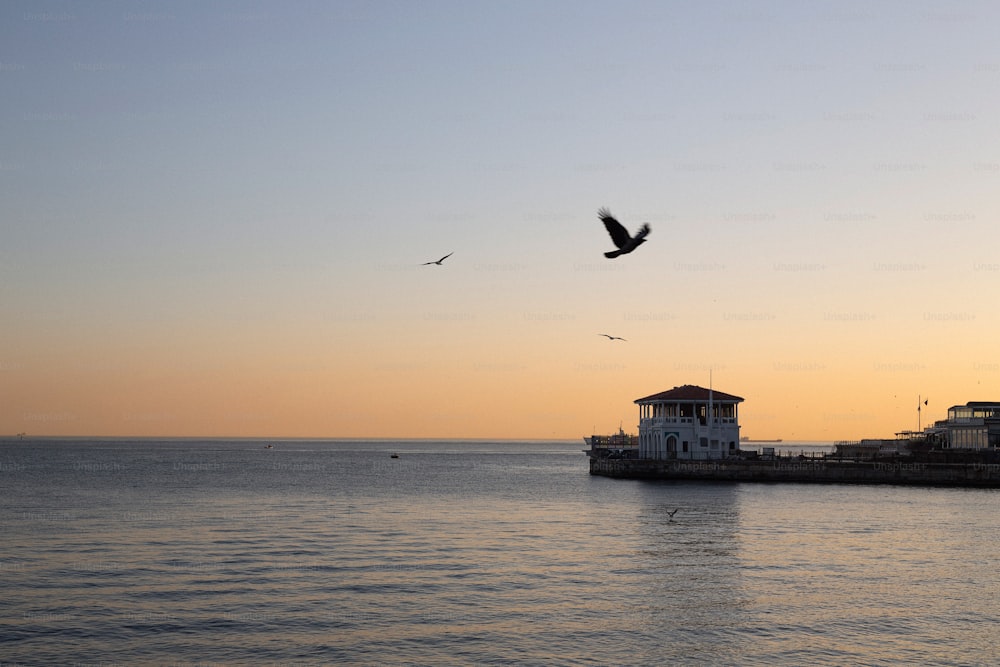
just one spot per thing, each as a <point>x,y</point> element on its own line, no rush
<point>440,260</point>
<point>643,232</point>
<point>618,233</point>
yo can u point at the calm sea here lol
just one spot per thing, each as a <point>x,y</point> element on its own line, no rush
<point>215,552</point>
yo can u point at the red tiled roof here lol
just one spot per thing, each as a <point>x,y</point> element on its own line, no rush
<point>688,392</point>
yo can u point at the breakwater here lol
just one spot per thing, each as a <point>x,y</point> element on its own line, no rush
<point>824,471</point>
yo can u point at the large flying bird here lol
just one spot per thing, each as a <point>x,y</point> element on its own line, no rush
<point>620,235</point>
<point>438,262</point>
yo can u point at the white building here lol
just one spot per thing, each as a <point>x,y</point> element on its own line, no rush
<point>975,425</point>
<point>688,422</point>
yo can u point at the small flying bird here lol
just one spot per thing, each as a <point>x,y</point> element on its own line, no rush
<point>610,337</point>
<point>440,260</point>
<point>620,236</point>
<point>673,513</point>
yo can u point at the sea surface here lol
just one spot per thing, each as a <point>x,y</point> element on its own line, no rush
<point>226,552</point>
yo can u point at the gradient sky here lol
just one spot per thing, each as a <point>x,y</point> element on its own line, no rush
<point>214,215</point>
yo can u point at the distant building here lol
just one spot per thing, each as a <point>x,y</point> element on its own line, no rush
<point>872,448</point>
<point>975,425</point>
<point>688,422</point>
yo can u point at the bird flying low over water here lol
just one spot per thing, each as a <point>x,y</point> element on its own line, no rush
<point>673,513</point>
<point>610,337</point>
<point>438,262</point>
<point>620,235</point>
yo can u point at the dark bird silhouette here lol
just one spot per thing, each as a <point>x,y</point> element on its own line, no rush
<point>440,260</point>
<point>673,513</point>
<point>620,235</point>
<point>610,337</point>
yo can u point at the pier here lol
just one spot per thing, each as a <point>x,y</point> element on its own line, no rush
<point>806,470</point>
<point>692,433</point>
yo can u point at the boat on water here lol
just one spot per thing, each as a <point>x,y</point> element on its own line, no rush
<point>618,440</point>
<point>748,439</point>
<point>616,446</point>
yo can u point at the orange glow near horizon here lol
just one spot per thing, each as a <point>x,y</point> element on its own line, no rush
<point>531,386</point>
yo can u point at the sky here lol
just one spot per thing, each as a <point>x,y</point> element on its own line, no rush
<point>213,216</point>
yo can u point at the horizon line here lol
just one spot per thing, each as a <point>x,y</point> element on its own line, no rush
<point>374,438</point>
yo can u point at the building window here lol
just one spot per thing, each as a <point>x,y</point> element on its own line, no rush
<point>968,438</point>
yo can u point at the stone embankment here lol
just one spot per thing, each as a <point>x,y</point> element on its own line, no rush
<point>809,470</point>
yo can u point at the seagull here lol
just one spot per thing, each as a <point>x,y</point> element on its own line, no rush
<point>610,337</point>
<point>619,234</point>
<point>440,260</point>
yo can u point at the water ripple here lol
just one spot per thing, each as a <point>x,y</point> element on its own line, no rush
<point>495,554</point>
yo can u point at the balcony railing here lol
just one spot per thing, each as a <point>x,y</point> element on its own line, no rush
<point>682,420</point>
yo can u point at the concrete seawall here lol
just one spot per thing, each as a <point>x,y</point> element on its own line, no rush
<point>822,471</point>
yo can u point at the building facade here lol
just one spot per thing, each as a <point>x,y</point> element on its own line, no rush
<point>975,425</point>
<point>688,422</point>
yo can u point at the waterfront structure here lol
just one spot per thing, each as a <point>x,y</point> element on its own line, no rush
<point>975,425</point>
<point>692,433</point>
<point>873,448</point>
<point>688,422</point>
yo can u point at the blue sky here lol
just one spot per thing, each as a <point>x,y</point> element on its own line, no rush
<point>234,189</point>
